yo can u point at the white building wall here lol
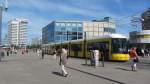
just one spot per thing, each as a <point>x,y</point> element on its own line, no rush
<point>95,29</point>
<point>17,31</point>
<point>140,37</point>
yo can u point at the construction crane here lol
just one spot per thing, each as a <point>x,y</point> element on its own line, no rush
<point>3,7</point>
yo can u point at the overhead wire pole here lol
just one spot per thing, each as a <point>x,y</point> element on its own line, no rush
<point>85,48</point>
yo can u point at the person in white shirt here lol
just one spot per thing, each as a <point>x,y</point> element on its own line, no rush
<point>63,61</point>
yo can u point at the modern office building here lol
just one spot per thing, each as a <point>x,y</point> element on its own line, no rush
<point>142,39</point>
<point>97,28</point>
<point>60,31</point>
<point>17,32</point>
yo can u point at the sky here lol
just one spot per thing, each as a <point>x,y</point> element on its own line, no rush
<point>41,12</point>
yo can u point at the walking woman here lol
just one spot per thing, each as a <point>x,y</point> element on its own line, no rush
<point>134,59</point>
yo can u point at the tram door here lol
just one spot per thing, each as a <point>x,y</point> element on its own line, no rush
<point>76,49</point>
<point>103,47</point>
<point>106,51</point>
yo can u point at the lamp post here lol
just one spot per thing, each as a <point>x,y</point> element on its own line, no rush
<point>68,43</point>
<point>61,40</point>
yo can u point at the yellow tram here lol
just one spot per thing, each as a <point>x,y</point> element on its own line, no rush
<point>113,47</point>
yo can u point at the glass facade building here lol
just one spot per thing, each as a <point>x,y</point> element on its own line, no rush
<point>60,31</point>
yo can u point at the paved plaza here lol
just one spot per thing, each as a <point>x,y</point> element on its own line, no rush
<point>31,69</point>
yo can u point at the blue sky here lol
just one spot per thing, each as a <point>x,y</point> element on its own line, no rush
<point>41,12</point>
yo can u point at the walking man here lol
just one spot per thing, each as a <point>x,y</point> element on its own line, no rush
<point>63,61</point>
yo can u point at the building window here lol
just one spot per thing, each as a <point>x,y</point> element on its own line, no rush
<point>68,24</point>
<point>80,29</point>
<point>74,25</point>
<point>57,24</point>
<point>62,24</point>
<point>80,33</point>
<point>74,29</point>
<point>79,25</point>
<point>58,38</point>
<point>109,30</point>
<point>80,36</point>
<point>63,29</point>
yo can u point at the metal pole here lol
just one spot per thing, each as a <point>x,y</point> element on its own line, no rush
<point>67,35</point>
<point>1,13</point>
<point>69,44</point>
<point>103,55</point>
<point>61,40</point>
<point>84,52</point>
<point>103,60</point>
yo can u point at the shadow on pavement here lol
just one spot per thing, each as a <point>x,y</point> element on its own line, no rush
<point>3,61</point>
<point>123,69</point>
<point>86,64</point>
<point>109,79</point>
<point>57,73</point>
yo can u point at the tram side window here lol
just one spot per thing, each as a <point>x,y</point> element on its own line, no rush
<point>76,47</point>
<point>98,46</point>
<point>119,45</point>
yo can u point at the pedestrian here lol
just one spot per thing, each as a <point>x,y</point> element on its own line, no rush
<point>55,52</point>
<point>143,54</point>
<point>22,51</point>
<point>2,54</point>
<point>92,57</point>
<point>63,61</point>
<point>42,54</point>
<point>7,52</point>
<point>134,59</point>
<point>39,52</point>
<point>146,52</point>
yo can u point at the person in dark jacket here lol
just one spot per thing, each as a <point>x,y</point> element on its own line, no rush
<point>42,54</point>
<point>7,52</point>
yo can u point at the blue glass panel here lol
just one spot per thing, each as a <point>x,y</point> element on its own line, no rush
<point>63,29</point>
<point>74,29</point>
<point>58,28</point>
<point>57,37</point>
<point>80,29</point>
<point>79,25</point>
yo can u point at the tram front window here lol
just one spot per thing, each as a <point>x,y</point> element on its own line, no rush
<point>119,45</point>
